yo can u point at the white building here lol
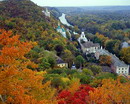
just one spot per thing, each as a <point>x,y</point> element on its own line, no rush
<point>47,13</point>
<point>61,63</point>
<point>87,46</point>
<point>125,45</point>
<point>82,38</point>
<point>117,66</point>
<point>61,30</point>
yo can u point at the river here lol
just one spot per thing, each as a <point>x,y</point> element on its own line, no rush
<point>63,20</point>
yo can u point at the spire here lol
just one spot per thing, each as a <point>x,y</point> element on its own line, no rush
<point>46,10</point>
<point>82,33</point>
<point>58,23</point>
<point>101,47</point>
<point>83,37</point>
<point>73,66</point>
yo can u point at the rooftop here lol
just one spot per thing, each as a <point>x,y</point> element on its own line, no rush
<point>59,61</point>
<point>116,61</point>
<point>58,27</point>
<point>89,44</point>
<point>63,30</point>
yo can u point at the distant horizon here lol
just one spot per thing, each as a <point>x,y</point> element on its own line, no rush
<point>78,3</point>
<point>81,3</point>
<point>43,4</point>
<point>93,6</point>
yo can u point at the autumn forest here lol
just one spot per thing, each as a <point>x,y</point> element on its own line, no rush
<point>32,53</point>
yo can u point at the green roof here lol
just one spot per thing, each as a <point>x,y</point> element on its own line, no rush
<point>63,30</point>
<point>58,27</point>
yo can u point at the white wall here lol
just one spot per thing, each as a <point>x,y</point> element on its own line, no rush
<point>122,70</point>
<point>63,65</point>
<point>90,50</point>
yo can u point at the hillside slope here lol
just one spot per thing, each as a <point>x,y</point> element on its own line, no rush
<point>25,18</point>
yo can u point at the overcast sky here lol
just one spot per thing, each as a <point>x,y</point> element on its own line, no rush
<point>81,2</point>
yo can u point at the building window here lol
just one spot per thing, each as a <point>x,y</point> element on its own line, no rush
<point>122,72</point>
<point>122,68</point>
<point>119,71</point>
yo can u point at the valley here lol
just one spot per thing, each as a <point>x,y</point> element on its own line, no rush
<point>64,55</point>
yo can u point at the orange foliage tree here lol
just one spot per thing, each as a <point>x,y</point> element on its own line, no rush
<point>105,60</point>
<point>111,92</point>
<point>18,84</point>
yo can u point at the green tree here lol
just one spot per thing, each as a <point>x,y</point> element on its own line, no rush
<point>59,49</point>
<point>44,64</point>
<point>117,47</point>
<point>125,54</point>
<point>84,79</point>
<point>51,61</point>
<point>88,72</point>
<point>68,57</point>
<point>95,69</point>
<point>80,61</point>
<point>113,45</point>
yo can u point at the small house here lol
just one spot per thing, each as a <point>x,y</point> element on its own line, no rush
<point>61,63</point>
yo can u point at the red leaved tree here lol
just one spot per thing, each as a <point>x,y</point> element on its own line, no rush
<point>81,96</point>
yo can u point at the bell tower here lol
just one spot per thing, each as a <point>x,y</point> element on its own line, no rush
<point>83,37</point>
